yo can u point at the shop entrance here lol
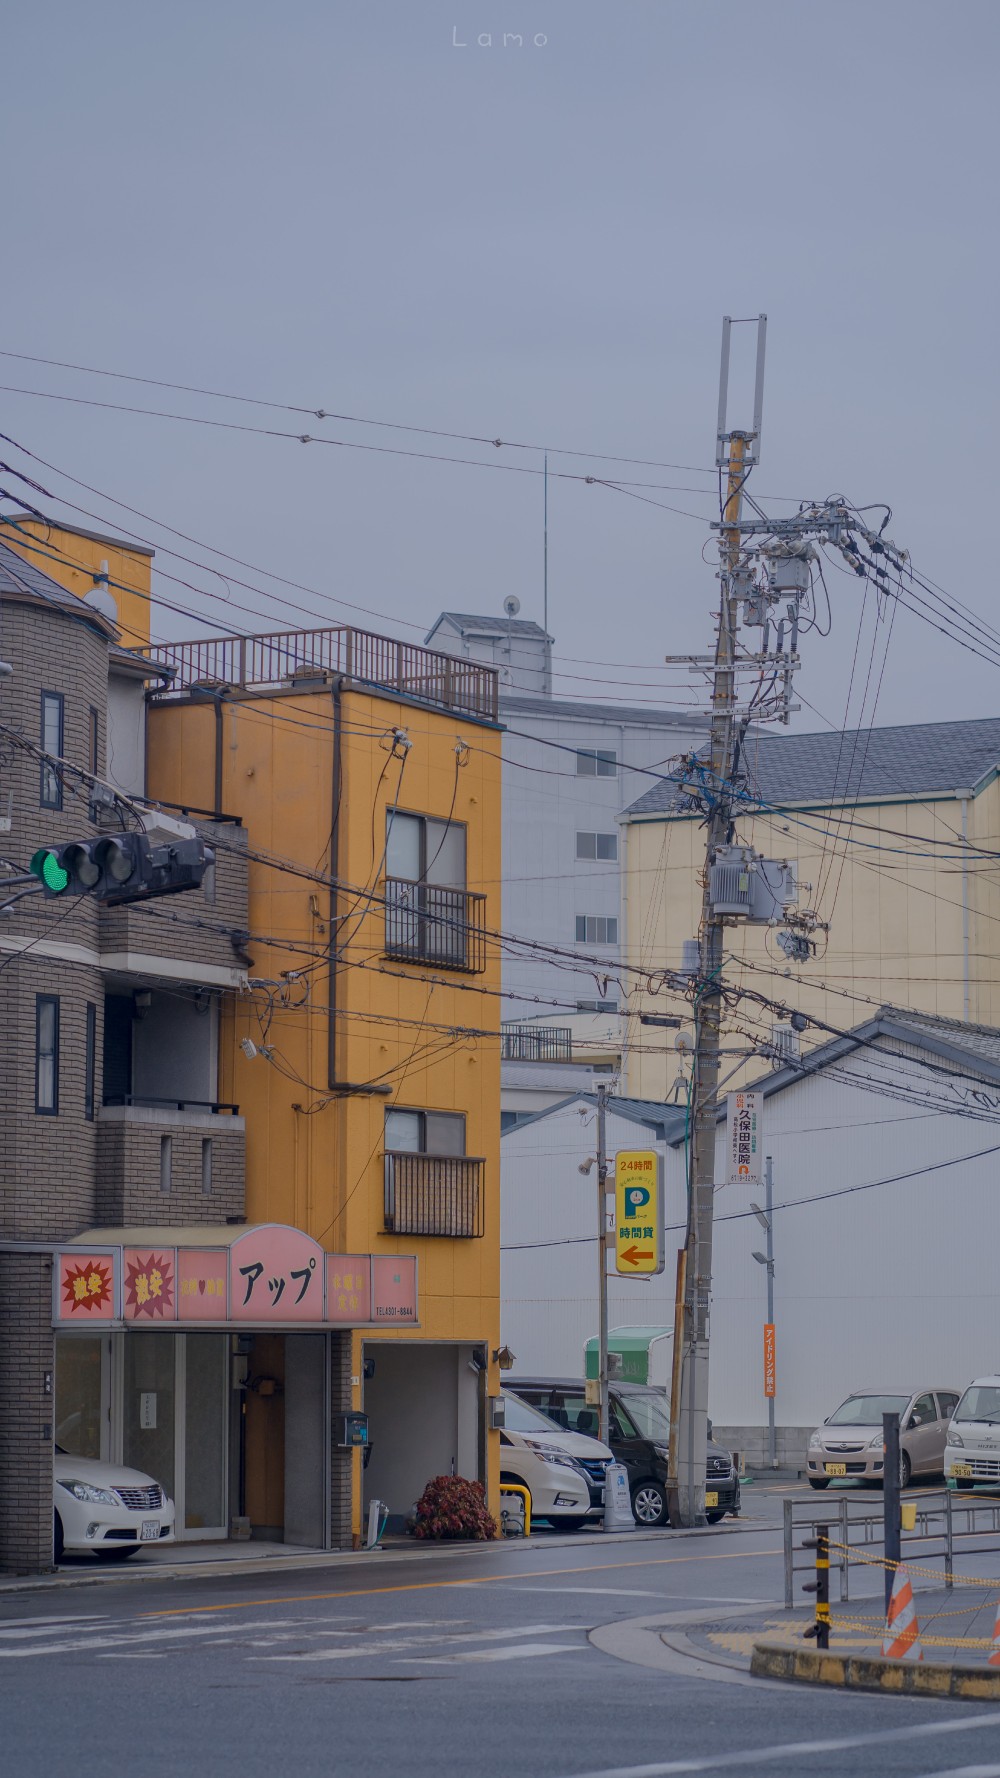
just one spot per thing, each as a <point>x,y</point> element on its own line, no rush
<point>426,1417</point>
<point>282,1475</point>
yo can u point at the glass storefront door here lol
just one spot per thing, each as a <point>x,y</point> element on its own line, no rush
<point>205,1434</point>
<point>175,1422</point>
<point>148,1419</point>
<point>82,1420</point>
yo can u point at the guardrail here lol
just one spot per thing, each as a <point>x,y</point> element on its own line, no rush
<point>942,1519</point>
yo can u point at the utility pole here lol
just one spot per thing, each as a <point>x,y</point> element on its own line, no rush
<point>737,453</point>
<point>602,1262</point>
<point>766,1219</point>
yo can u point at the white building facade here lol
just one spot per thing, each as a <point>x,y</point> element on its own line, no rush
<point>570,768</point>
<point>886,1155</point>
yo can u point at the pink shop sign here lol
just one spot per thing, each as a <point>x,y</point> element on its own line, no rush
<point>202,1284</point>
<point>276,1275</point>
<point>348,1288</point>
<point>394,1289</point>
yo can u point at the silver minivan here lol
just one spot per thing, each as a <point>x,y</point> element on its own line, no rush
<point>849,1443</point>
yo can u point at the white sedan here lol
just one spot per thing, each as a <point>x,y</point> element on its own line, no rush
<point>107,1509</point>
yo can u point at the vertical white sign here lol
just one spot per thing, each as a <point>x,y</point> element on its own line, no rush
<point>744,1137</point>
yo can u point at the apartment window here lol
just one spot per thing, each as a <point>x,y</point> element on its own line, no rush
<point>429,915</point>
<point>166,1162</point>
<point>90,1063</point>
<point>206,1167</point>
<point>597,1006</point>
<point>47,1055</point>
<point>596,929</point>
<point>93,757</point>
<point>592,847</point>
<point>52,725</point>
<point>425,1132</point>
<point>596,762</point>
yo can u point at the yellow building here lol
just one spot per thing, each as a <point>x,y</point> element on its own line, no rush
<point>893,834</point>
<point>366,774</point>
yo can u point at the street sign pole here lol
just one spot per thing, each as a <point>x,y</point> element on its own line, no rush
<point>890,1501</point>
<point>772,1446</point>
<point>602,1263</point>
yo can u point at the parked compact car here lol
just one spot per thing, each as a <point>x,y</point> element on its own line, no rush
<point>557,1490</point>
<point>638,1436</point>
<point>586,1454</point>
<point>972,1453</point>
<point>107,1509</point>
<point>850,1442</point>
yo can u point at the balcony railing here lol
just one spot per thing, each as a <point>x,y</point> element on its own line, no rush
<point>216,1106</point>
<point>255,663</point>
<point>536,1043</point>
<point>425,923</point>
<point>432,1194</point>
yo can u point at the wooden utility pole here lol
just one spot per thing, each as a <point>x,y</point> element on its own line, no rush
<point>689,1408</point>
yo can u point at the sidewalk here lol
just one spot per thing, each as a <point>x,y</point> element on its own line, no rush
<point>955,1625</point>
<point>187,1561</point>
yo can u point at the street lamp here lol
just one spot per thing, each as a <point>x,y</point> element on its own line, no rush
<point>766,1259</point>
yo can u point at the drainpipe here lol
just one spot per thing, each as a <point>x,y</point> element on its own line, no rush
<point>217,702</point>
<point>964,796</point>
<point>337,780</point>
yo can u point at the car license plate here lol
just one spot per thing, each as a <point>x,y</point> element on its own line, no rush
<point>961,1471</point>
<point>711,1499</point>
<point>150,1531</point>
<point>835,1468</point>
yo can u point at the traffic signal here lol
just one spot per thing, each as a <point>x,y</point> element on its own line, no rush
<point>122,867</point>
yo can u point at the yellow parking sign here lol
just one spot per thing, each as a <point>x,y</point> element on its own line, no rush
<point>638,1212</point>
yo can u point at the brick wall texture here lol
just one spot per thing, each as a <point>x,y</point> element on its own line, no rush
<point>129,1174</point>
<point>341,1462</point>
<point>27,1352</point>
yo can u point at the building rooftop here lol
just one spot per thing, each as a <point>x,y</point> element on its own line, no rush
<point>916,759</point>
<point>20,578</point>
<point>470,624</point>
<point>554,709</point>
<point>127,543</point>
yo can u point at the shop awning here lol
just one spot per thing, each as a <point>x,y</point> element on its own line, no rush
<point>213,1275</point>
<point>634,1346</point>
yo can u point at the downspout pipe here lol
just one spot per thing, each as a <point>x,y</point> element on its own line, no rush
<point>964,797</point>
<point>337,783</point>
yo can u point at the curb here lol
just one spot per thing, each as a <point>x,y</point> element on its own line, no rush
<point>223,1567</point>
<point>871,1673</point>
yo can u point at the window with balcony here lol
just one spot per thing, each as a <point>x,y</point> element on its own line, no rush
<point>597,847</point>
<point>52,726</point>
<point>430,917</point>
<point>596,929</point>
<point>596,762</point>
<point>432,1187</point>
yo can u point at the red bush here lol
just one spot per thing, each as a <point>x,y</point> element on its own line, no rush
<point>451,1506</point>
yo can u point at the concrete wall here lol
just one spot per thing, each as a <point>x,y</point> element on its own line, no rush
<point>126,768</point>
<point>175,1048</point>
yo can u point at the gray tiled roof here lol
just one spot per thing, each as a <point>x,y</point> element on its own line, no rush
<point>575,710</point>
<point>20,576</point>
<point>919,758</point>
<point>491,626</point>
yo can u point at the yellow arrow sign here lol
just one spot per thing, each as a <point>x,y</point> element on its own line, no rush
<point>638,1213</point>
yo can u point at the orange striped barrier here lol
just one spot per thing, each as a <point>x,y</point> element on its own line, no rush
<point>901,1641</point>
<point>994,1659</point>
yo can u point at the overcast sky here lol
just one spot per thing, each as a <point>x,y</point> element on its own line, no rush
<point>364,208</point>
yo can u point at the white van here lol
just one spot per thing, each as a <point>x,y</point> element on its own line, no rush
<point>586,1455</point>
<point>972,1453</point>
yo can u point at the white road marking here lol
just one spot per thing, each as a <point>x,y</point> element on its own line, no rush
<point>519,1653</point>
<point>25,1626</point>
<point>392,1644</point>
<point>86,1645</point>
<point>612,1592</point>
<point>801,1750</point>
<point>966,1772</point>
<point>127,1657</point>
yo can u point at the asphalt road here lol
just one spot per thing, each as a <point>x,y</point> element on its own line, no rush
<point>431,1664</point>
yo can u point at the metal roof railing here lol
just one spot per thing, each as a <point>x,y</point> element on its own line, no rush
<point>283,657</point>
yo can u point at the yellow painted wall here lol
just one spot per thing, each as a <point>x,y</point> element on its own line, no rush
<point>73,561</point>
<point>312,1160</point>
<point>888,878</point>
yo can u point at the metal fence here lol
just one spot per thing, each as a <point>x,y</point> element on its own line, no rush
<point>426,923</point>
<point>430,1194</point>
<point>948,1526</point>
<point>246,663</point>
<point>536,1043</point>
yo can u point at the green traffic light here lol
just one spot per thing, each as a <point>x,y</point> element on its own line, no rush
<point>45,864</point>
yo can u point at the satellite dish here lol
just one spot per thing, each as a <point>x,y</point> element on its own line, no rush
<point>512,605</point>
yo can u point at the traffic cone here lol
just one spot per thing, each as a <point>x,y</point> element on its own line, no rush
<point>994,1659</point>
<point>901,1641</point>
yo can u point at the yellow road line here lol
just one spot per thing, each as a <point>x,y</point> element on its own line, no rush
<point>418,1586</point>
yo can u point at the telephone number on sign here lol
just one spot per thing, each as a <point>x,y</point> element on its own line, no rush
<point>395,1314</point>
